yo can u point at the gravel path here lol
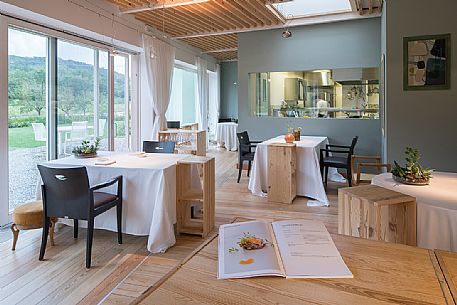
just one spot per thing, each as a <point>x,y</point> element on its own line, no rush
<point>24,175</point>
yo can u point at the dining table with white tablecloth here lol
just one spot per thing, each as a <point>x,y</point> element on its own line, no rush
<point>149,193</point>
<point>226,135</point>
<point>308,175</point>
<point>436,208</point>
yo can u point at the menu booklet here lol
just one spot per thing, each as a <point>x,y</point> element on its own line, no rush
<point>290,248</point>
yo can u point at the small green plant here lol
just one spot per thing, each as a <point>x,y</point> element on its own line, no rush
<point>413,171</point>
<point>86,148</point>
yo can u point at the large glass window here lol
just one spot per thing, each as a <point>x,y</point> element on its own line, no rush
<point>58,96</point>
<point>338,93</point>
<point>122,107</point>
<point>183,101</point>
<point>27,133</point>
<point>75,95</point>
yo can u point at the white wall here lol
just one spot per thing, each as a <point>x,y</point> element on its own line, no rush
<point>422,119</point>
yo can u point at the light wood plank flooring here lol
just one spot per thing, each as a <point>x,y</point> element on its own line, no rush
<point>121,273</point>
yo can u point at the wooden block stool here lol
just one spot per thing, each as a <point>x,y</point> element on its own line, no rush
<point>189,197</point>
<point>373,212</point>
<point>282,184</point>
<point>29,216</point>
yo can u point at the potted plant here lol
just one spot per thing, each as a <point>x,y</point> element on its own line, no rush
<point>86,149</point>
<point>413,173</point>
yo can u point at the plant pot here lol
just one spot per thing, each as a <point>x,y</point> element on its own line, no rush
<point>90,155</point>
<point>411,181</point>
<point>297,135</point>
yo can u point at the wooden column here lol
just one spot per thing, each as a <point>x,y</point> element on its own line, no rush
<point>282,185</point>
<point>195,207</point>
<point>374,212</point>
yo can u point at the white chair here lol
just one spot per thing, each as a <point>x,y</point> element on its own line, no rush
<point>78,133</point>
<point>40,132</point>
<point>101,129</point>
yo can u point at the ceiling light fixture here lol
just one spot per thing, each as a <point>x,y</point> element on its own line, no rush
<point>286,33</point>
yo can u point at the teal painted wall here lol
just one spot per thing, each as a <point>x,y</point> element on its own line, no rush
<point>347,44</point>
<point>229,90</point>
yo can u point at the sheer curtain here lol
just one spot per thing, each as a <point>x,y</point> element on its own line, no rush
<point>203,88</point>
<point>159,63</point>
<point>214,102</point>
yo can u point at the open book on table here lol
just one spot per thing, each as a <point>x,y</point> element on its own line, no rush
<point>290,248</point>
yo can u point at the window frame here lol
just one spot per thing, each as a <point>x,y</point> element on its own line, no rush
<point>53,36</point>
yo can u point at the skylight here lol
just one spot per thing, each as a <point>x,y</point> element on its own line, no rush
<point>303,8</point>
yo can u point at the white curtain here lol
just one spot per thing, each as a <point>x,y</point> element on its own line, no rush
<point>214,102</point>
<point>159,60</point>
<point>203,88</point>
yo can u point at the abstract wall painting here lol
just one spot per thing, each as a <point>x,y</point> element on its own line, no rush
<point>427,62</point>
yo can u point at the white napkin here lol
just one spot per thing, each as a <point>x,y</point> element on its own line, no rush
<point>104,161</point>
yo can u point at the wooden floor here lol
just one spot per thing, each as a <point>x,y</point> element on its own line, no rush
<point>121,273</point>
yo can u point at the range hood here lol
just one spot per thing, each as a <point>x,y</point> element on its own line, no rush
<point>318,78</point>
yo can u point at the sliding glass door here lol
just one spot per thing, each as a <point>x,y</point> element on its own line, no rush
<point>27,130</point>
<point>75,95</point>
<point>122,130</point>
<point>59,94</point>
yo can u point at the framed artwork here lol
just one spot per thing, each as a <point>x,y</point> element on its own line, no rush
<point>427,62</point>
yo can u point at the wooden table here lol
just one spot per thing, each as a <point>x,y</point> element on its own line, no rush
<point>384,273</point>
<point>448,265</point>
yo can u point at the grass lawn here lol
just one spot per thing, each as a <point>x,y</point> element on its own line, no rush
<point>22,138</point>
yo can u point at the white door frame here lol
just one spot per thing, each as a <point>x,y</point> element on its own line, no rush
<point>4,189</point>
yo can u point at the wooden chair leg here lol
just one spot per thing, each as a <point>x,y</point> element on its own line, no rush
<point>90,236</point>
<point>249,167</point>
<point>15,235</point>
<point>75,228</point>
<point>44,238</point>
<point>51,232</point>
<point>119,222</point>
<point>240,168</point>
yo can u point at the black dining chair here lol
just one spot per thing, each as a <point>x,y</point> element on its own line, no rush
<point>245,153</point>
<point>66,194</point>
<point>174,124</point>
<point>338,156</point>
<point>159,147</point>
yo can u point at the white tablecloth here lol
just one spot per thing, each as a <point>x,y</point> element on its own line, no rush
<point>308,175</point>
<point>226,135</point>
<point>436,208</point>
<point>149,194</point>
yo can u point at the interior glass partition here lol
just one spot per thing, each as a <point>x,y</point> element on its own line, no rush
<point>327,93</point>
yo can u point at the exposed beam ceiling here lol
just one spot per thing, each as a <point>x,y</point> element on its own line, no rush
<point>155,5</point>
<point>212,25</point>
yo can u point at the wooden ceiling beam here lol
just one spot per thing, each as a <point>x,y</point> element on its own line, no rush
<point>220,50</point>
<point>252,7</point>
<point>190,16</point>
<point>155,5</point>
<point>232,7</point>
<point>200,10</point>
<point>226,17</point>
<point>224,12</point>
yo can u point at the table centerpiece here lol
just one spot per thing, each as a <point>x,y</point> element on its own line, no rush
<point>86,149</point>
<point>413,173</point>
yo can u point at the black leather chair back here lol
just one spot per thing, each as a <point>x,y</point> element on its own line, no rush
<point>243,139</point>
<point>159,147</point>
<point>353,143</point>
<point>65,192</point>
<point>174,124</point>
